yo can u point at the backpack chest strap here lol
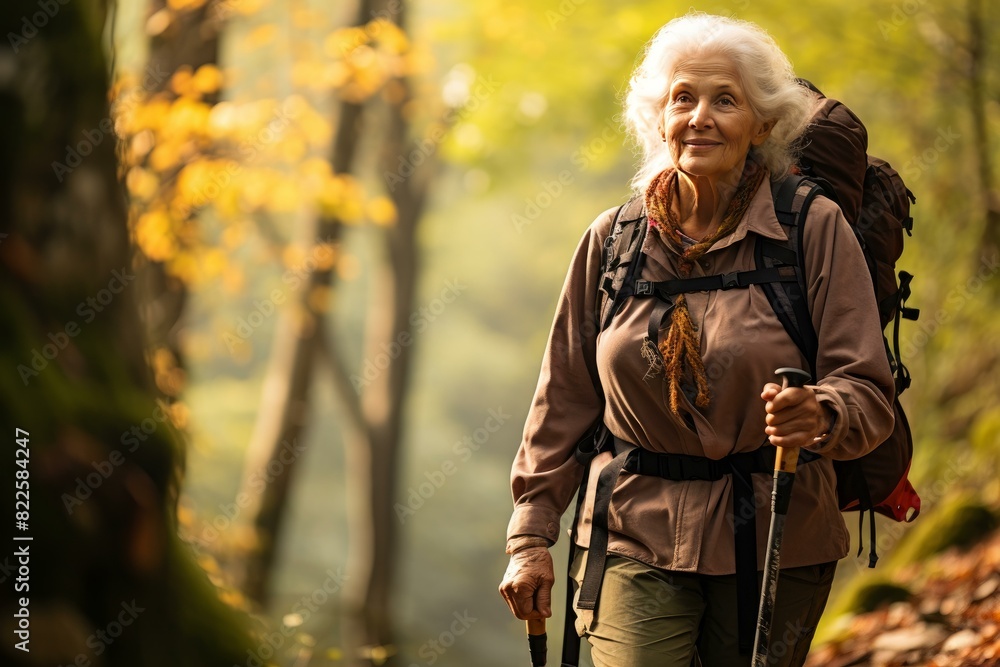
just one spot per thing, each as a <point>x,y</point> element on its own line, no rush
<point>666,290</point>
<point>723,281</point>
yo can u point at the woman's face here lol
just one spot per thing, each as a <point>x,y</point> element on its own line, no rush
<point>708,123</point>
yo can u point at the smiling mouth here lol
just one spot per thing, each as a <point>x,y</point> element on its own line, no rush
<point>695,147</point>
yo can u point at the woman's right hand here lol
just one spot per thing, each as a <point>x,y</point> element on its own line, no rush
<point>527,584</point>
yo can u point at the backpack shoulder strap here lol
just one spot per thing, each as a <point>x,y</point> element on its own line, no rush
<point>790,300</point>
<point>632,210</point>
<point>622,259</point>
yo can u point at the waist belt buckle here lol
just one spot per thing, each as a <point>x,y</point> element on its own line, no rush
<point>730,280</point>
<point>670,467</point>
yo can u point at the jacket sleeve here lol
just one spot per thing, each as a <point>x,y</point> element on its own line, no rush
<point>567,400</point>
<point>855,380</point>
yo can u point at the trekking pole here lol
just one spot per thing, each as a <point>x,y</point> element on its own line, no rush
<point>537,642</point>
<point>784,476</point>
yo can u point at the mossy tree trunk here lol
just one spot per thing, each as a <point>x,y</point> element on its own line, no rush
<point>76,383</point>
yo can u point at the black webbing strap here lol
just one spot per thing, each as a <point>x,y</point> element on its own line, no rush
<point>622,247</point>
<point>597,553</point>
<point>656,318</point>
<point>571,640</point>
<point>589,446</point>
<point>745,543</point>
<point>741,466</point>
<point>865,504</point>
<point>902,375</point>
<point>784,199</point>
<point>722,281</point>
<point>664,291</point>
<point>792,198</point>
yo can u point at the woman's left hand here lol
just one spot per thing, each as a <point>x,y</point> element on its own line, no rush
<point>794,417</point>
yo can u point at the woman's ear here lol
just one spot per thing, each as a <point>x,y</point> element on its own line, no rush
<point>763,132</point>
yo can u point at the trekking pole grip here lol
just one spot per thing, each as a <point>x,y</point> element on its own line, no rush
<point>537,642</point>
<point>786,457</point>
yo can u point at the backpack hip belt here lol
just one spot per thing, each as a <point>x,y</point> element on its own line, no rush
<point>633,459</point>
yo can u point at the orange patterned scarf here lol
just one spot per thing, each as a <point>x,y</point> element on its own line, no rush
<point>679,355</point>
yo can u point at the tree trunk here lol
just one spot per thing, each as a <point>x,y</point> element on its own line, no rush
<point>978,61</point>
<point>178,39</point>
<point>69,221</point>
<point>374,410</point>
<point>373,464</point>
<point>275,447</point>
<point>102,546</point>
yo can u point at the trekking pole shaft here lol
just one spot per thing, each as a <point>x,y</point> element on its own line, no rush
<point>772,565</point>
<point>785,460</point>
<point>537,642</point>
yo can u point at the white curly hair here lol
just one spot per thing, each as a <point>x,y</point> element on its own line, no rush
<point>768,80</point>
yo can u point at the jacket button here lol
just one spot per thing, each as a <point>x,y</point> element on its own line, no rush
<point>552,529</point>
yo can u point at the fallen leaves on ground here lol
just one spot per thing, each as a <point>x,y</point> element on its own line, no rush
<point>952,619</point>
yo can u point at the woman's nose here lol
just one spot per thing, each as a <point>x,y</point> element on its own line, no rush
<point>701,115</point>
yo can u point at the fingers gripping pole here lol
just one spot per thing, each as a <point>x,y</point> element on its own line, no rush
<point>786,457</point>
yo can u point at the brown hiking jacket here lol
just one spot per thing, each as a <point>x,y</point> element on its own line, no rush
<point>688,525</point>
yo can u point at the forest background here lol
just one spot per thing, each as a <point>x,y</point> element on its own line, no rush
<point>352,222</point>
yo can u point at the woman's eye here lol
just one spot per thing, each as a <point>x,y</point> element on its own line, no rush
<point>682,98</point>
<point>727,101</point>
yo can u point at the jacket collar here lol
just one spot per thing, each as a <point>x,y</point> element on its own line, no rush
<point>758,218</point>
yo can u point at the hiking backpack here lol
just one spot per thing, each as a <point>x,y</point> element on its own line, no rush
<point>875,201</point>
<point>878,481</point>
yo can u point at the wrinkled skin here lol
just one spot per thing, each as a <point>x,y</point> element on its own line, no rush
<point>527,584</point>
<point>794,417</point>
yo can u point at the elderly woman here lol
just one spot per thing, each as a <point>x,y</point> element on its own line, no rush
<point>716,108</point>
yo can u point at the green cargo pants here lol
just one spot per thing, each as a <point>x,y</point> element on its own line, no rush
<point>650,617</point>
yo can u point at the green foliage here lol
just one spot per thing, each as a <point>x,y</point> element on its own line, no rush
<point>961,523</point>
<point>210,626</point>
<point>874,595</point>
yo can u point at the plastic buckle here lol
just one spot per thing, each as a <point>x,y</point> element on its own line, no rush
<point>701,469</point>
<point>669,467</point>
<point>730,280</point>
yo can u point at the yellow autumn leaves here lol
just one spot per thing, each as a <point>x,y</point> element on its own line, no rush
<point>200,172</point>
<point>357,62</point>
<point>206,80</point>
